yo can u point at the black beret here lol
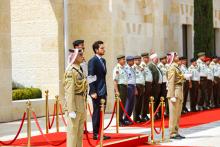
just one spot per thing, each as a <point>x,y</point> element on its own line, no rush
<point>214,57</point>
<point>77,42</point>
<point>193,60</point>
<point>137,57</point>
<point>144,55</point>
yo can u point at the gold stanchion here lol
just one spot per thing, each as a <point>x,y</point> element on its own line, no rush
<point>46,110</point>
<point>102,122</point>
<point>152,118</point>
<point>162,117</point>
<point>117,113</point>
<point>57,112</point>
<point>29,123</point>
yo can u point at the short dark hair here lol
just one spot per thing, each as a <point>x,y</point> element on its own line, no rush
<point>96,45</point>
<point>77,43</point>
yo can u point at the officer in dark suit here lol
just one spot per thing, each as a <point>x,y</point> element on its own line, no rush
<point>98,90</point>
<point>157,80</point>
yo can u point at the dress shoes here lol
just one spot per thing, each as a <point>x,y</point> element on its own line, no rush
<point>95,137</point>
<point>178,136</point>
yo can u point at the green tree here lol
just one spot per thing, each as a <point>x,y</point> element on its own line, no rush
<point>203,26</point>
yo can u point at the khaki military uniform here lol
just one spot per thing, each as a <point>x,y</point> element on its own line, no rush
<point>175,89</point>
<point>75,86</point>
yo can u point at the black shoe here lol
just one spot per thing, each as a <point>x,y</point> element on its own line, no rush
<point>95,137</point>
<point>145,119</point>
<point>183,137</point>
<point>177,137</point>
<point>200,108</point>
<point>121,124</point>
<point>186,110</point>
<point>127,123</point>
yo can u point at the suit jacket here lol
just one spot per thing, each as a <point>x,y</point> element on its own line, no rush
<point>95,68</point>
<point>155,72</point>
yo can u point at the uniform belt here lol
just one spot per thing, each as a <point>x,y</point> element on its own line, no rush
<point>179,84</point>
<point>125,85</point>
<point>81,94</point>
<point>203,78</point>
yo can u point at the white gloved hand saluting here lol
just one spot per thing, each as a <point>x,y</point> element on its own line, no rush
<point>173,99</point>
<point>72,115</point>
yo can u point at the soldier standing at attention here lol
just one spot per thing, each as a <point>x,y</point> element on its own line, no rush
<point>132,90</point>
<point>187,76</point>
<point>75,86</point>
<point>120,84</point>
<point>148,86</point>
<point>216,87</point>
<point>210,79</point>
<point>203,80</point>
<point>163,93</point>
<point>175,80</point>
<point>194,84</point>
<point>140,85</point>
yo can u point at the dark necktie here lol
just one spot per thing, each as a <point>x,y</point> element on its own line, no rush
<point>102,61</point>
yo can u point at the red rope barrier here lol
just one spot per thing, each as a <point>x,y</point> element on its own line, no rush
<point>87,136</point>
<point>158,132</point>
<point>54,113</point>
<point>113,113</point>
<point>63,119</point>
<point>19,131</point>
<point>100,128</point>
<point>47,140</point>
<point>129,118</point>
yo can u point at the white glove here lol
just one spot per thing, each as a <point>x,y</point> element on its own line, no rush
<point>173,99</point>
<point>72,115</point>
<point>91,79</point>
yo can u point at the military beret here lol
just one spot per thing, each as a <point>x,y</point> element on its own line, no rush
<point>182,58</point>
<point>207,59</point>
<point>77,42</point>
<point>201,54</point>
<point>129,58</point>
<point>144,55</point>
<point>137,57</point>
<point>214,57</point>
<point>193,60</point>
<point>120,57</point>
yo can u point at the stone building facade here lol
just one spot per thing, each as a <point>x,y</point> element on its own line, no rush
<point>32,38</point>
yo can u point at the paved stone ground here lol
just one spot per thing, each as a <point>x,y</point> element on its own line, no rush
<point>203,135</point>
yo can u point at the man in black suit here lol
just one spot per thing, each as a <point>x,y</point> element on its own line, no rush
<point>98,90</point>
<point>157,80</point>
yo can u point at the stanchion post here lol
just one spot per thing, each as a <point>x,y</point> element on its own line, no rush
<point>57,112</point>
<point>46,110</point>
<point>117,113</point>
<point>152,118</point>
<point>162,117</point>
<point>102,122</point>
<point>29,123</point>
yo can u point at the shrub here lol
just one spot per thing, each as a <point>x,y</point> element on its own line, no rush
<point>26,93</point>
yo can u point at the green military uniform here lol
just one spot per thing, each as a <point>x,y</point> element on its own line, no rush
<point>75,86</point>
<point>120,75</point>
<point>175,90</point>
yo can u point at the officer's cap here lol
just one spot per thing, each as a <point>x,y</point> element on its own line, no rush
<point>144,55</point>
<point>120,57</point>
<point>137,57</point>
<point>129,58</point>
<point>77,42</point>
<point>182,58</point>
<point>214,57</point>
<point>193,60</point>
<point>201,54</point>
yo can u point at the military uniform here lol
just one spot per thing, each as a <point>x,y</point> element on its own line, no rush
<point>175,90</point>
<point>148,90</point>
<point>140,97</point>
<point>215,67</point>
<point>131,89</point>
<point>120,75</point>
<point>210,79</point>
<point>203,83</point>
<point>194,90</point>
<point>186,73</point>
<point>75,86</point>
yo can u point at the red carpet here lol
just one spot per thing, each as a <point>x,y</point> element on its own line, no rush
<point>166,146</point>
<point>131,140</point>
<point>191,119</point>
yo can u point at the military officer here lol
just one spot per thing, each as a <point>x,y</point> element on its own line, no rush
<point>203,80</point>
<point>163,68</point>
<point>175,79</point>
<point>187,75</point>
<point>75,86</point>
<point>120,79</point>
<point>148,86</point>
<point>132,90</point>
<point>214,65</point>
<point>210,79</point>
<point>140,85</point>
<point>194,84</point>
